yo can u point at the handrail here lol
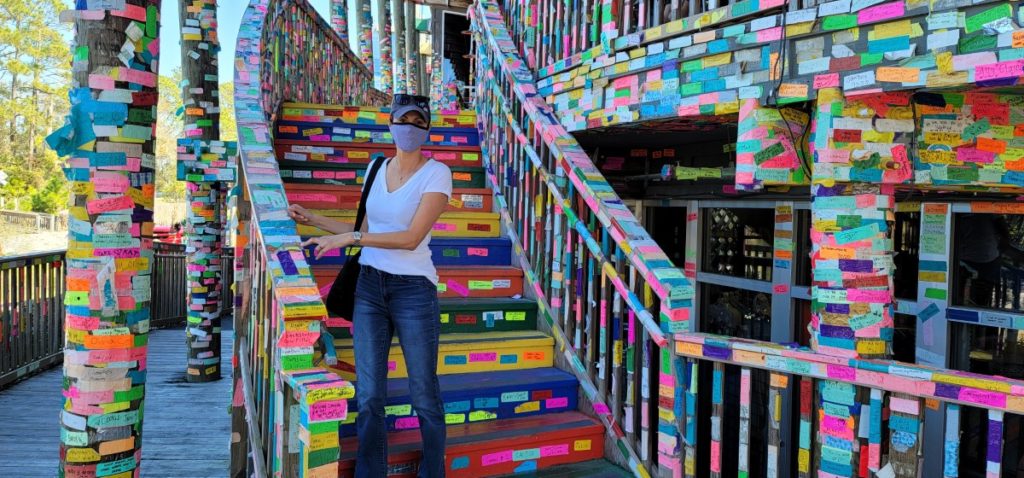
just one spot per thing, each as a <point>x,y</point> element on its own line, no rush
<point>575,237</point>
<point>285,52</point>
<point>665,280</point>
<point>258,458</point>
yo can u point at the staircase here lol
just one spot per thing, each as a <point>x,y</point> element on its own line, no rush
<point>508,409</point>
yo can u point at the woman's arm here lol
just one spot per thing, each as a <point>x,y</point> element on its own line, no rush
<point>430,209</point>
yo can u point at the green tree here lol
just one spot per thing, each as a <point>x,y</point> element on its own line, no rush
<point>34,74</point>
<point>228,126</point>
<point>169,128</point>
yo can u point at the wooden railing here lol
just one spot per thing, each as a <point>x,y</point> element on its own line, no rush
<point>551,34</point>
<point>595,271</point>
<point>31,313</point>
<point>32,305</point>
<point>285,52</point>
<point>33,221</point>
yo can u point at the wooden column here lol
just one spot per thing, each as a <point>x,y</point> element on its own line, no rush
<point>412,49</point>
<point>339,18</point>
<point>109,139</point>
<point>203,162</point>
<point>364,28</point>
<point>386,83</point>
<point>398,40</point>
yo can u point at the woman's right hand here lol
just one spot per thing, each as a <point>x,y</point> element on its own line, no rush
<point>302,215</point>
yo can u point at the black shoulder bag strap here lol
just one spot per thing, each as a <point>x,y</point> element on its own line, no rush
<point>370,176</point>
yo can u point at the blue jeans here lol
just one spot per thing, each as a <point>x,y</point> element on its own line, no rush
<point>386,304</point>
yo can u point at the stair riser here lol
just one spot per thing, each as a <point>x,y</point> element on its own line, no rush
<point>453,283</point>
<point>481,357</point>
<point>338,132</point>
<point>445,253</point>
<point>334,152</point>
<point>466,407</point>
<point>483,225</point>
<point>462,320</point>
<point>537,454</point>
<point>363,115</point>
<point>485,282</point>
<point>329,196</point>
<point>350,174</point>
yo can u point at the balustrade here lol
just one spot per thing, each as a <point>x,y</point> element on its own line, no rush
<point>286,52</point>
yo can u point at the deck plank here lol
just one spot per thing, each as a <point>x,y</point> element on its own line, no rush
<point>187,428</point>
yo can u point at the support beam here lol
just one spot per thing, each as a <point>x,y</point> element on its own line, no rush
<point>364,29</point>
<point>203,162</point>
<point>398,40</point>
<point>339,18</point>
<point>385,76</point>
<point>110,253</point>
<point>412,49</point>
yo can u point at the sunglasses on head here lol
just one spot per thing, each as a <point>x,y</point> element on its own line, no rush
<point>402,99</point>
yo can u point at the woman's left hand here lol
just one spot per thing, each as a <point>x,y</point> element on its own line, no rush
<point>325,244</point>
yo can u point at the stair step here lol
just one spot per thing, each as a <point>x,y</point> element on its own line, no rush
<point>337,130</point>
<point>475,397</point>
<point>479,281</point>
<point>339,152</point>
<point>469,316</point>
<point>497,447</point>
<point>465,353</point>
<point>455,282</point>
<point>332,196</point>
<point>352,174</point>
<point>370,115</point>
<point>447,251</point>
<point>585,469</point>
<point>450,224</point>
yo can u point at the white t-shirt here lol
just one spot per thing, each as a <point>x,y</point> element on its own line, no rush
<point>393,212</point>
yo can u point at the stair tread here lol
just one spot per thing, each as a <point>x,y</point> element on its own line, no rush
<point>583,469</point>
<point>482,435</point>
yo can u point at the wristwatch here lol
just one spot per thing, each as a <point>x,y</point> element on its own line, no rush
<point>357,236</point>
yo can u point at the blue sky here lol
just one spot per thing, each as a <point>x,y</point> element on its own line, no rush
<point>229,16</point>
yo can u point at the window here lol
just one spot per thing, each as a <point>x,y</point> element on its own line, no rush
<point>667,226</point>
<point>906,236</point>
<point>738,242</point>
<point>988,265</point>
<point>904,340</point>
<point>990,351</point>
<point>802,243</point>
<point>736,312</point>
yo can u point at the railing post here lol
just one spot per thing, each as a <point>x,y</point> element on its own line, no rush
<point>110,238</point>
<point>951,443</point>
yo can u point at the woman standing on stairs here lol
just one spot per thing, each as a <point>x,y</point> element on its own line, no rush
<point>397,289</point>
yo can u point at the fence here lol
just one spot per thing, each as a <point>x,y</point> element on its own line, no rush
<point>32,305</point>
<point>33,220</point>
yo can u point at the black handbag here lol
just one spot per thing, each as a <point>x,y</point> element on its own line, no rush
<point>341,299</point>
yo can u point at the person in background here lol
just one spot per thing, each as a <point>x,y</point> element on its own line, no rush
<point>397,288</point>
<point>176,233</point>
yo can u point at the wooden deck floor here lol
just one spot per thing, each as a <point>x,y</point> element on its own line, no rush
<point>187,428</point>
